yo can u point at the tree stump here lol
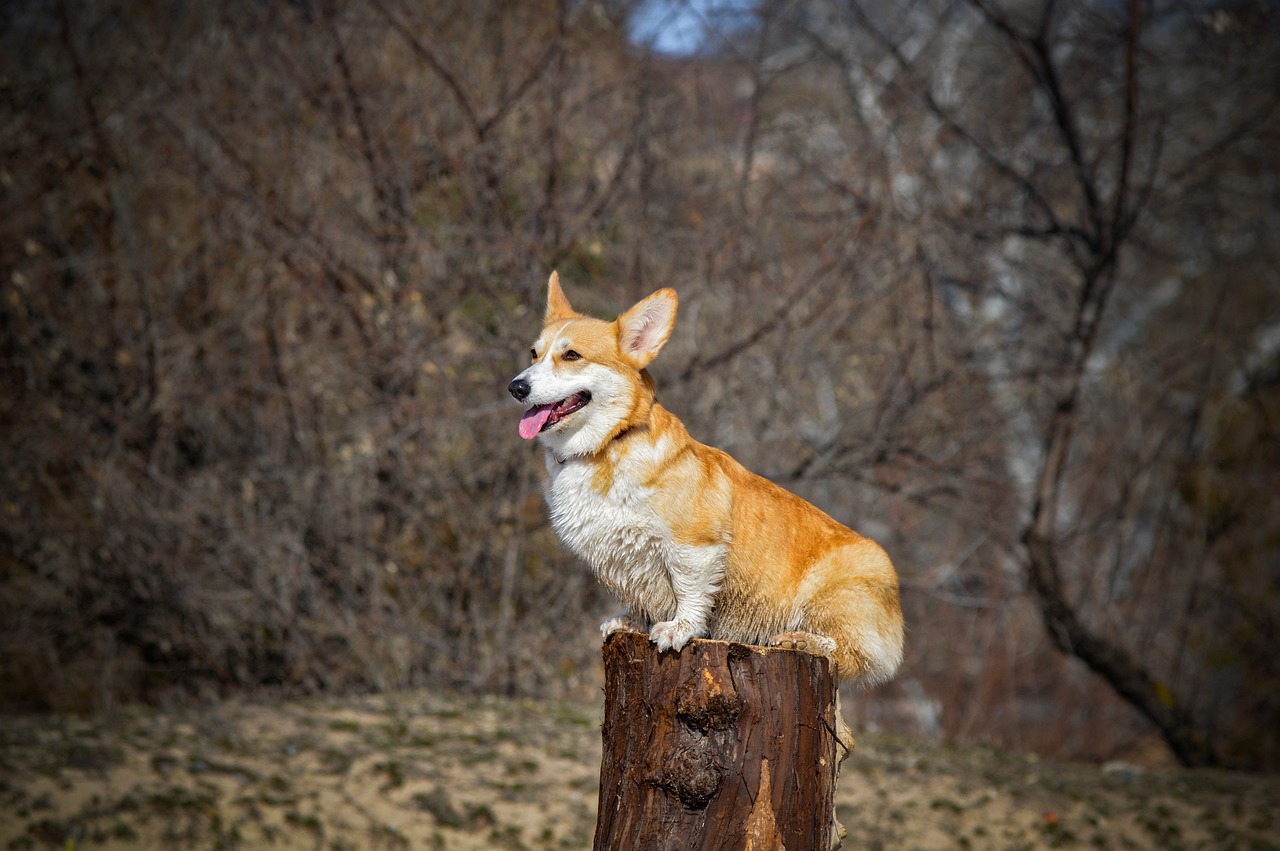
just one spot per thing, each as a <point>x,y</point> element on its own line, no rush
<point>719,746</point>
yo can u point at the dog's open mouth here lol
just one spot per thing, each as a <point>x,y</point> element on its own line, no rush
<point>541,417</point>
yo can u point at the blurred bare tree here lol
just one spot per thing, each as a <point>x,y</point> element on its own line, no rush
<point>1051,166</point>
<point>269,268</point>
<point>994,283</point>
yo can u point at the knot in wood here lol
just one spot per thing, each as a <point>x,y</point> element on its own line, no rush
<point>691,774</point>
<point>705,704</point>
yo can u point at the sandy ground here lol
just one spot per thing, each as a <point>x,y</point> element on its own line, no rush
<point>428,770</point>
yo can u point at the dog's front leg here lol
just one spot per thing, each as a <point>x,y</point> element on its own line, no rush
<point>695,573</point>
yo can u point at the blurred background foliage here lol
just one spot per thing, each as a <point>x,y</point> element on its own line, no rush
<point>994,283</point>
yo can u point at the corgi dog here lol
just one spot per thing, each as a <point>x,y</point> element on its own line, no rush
<point>687,539</point>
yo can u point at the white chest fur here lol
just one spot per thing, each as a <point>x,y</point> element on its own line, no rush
<point>617,533</point>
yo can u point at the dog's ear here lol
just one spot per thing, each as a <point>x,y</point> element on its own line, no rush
<point>558,306</point>
<point>644,329</point>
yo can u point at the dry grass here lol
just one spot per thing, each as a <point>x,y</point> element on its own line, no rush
<point>426,770</point>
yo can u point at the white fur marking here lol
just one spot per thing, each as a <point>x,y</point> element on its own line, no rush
<point>630,549</point>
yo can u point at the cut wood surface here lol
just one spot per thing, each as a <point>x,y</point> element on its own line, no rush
<point>718,746</point>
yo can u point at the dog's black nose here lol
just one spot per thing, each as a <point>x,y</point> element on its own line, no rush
<point>519,388</point>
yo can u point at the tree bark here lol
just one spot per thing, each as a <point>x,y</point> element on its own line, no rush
<point>719,746</point>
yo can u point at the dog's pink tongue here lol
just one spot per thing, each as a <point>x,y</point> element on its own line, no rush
<point>533,420</point>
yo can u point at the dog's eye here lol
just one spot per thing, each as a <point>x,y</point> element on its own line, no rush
<point>533,353</point>
<point>571,355</point>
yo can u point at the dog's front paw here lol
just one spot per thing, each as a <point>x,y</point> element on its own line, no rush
<point>620,623</point>
<point>672,635</point>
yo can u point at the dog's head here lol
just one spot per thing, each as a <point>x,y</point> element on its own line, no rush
<point>587,383</point>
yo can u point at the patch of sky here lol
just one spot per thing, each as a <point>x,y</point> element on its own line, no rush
<point>688,27</point>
